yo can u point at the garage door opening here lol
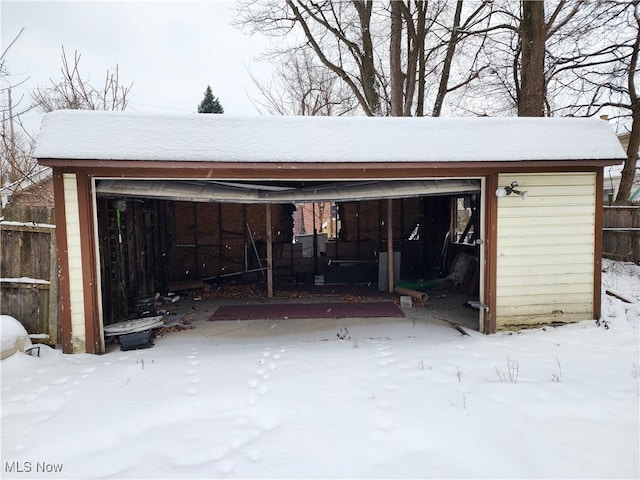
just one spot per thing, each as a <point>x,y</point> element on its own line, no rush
<point>329,240</point>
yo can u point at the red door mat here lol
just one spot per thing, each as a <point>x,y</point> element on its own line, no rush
<point>283,311</point>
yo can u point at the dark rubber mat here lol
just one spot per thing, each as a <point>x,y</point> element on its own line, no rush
<point>283,311</point>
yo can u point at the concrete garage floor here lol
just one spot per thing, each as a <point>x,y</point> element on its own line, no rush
<point>443,308</point>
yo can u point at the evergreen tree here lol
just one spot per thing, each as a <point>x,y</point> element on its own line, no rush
<point>210,104</point>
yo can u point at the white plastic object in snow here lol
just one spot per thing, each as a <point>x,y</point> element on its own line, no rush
<point>14,337</point>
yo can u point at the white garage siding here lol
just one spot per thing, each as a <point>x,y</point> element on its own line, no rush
<point>545,250</point>
<point>74,256</point>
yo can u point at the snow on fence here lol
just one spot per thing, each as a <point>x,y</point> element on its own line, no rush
<point>621,233</point>
<point>28,275</point>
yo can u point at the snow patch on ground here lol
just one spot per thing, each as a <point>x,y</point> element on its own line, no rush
<point>622,278</point>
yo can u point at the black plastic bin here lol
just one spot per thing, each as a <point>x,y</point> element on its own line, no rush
<point>145,306</point>
<point>136,340</point>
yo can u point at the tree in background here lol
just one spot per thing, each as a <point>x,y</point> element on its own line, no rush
<point>74,93</point>
<point>300,86</point>
<point>71,91</point>
<point>484,57</point>
<point>394,57</point>
<point>438,57</point>
<point>632,106</point>
<point>593,70</point>
<point>210,104</point>
<point>15,141</point>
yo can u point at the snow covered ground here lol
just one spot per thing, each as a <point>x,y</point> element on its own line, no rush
<point>390,400</point>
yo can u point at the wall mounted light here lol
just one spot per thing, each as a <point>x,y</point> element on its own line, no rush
<point>504,191</point>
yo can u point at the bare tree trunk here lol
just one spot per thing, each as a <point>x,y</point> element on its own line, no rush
<point>416,32</point>
<point>364,86</point>
<point>629,169</point>
<point>446,67</point>
<point>421,32</point>
<point>532,40</point>
<point>368,68</point>
<point>395,52</point>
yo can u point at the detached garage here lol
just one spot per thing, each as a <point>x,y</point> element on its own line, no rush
<point>146,201</point>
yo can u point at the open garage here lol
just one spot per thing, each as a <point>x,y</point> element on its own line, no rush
<point>506,212</point>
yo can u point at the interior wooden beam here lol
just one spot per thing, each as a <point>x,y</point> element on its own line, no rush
<point>390,244</point>
<point>269,253</point>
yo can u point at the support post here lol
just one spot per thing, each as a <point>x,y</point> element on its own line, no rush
<point>390,244</point>
<point>269,253</point>
<point>315,240</point>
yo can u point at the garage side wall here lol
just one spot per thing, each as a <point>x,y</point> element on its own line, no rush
<point>545,250</point>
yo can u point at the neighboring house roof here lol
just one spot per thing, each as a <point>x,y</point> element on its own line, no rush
<point>37,176</point>
<point>91,135</point>
<point>624,140</point>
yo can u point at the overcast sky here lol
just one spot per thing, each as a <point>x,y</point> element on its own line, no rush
<point>170,51</point>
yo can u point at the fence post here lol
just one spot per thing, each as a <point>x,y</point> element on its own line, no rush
<point>53,288</point>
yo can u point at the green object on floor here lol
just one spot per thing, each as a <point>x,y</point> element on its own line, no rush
<point>423,285</point>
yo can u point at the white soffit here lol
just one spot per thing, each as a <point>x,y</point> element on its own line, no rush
<point>205,191</point>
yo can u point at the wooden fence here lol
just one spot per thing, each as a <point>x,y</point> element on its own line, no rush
<point>621,233</point>
<point>28,272</point>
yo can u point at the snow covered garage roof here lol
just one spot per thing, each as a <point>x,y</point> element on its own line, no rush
<point>91,135</point>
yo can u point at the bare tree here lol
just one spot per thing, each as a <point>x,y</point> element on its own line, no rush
<point>15,142</point>
<point>15,150</point>
<point>348,38</point>
<point>598,74</point>
<point>300,86</point>
<point>632,106</point>
<point>462,30</point>
<point>525,44</point>
<point>73,92</point>
<point>340,34</point>
<point>528,57</point>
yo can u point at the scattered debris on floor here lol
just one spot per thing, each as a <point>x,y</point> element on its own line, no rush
<point>232,290</point>
<point>174,323</point>
<point>355,298</point>
<point>138,333</point>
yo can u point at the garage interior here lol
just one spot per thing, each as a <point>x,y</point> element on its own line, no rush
<point>208,239</point>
